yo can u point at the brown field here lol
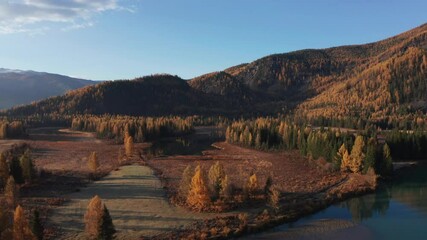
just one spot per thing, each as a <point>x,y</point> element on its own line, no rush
<point>136,195</point>
<point>294,175</point>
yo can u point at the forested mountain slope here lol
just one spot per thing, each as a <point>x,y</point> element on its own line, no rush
<point>373,80</point>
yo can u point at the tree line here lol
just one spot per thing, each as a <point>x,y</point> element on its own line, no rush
<point>347,151</point>
<point>12,129</point>
<point>139,128</point>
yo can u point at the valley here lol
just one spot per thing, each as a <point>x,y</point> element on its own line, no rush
<point>327,143</point>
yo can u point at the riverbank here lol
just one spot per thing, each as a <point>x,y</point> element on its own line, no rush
<point>306,188</point>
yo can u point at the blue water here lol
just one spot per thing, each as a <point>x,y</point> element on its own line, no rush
<point>395,211</point>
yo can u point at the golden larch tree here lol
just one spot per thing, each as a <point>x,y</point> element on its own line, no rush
<point>93,218</point>
<point>93,162</point>
<point>21,227</point>
<point>198,196</point>
<point>11,192</point>
<point>357,155</point>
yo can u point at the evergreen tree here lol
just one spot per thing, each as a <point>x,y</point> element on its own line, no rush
<point>36,226</point>
<point>268,185</point>
<point>27,166</point>
<point>107,229</point>
<point>387,160</point>
<point>370,159</point>
<point>5,223</point>
<point>4,171</point>
<point>16,170</point>
<point>226,188</point>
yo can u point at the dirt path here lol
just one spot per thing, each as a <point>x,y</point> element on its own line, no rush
<point>137,204</point>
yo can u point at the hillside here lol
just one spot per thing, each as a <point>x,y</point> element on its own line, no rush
<point>23,87</point>
<point>377,78</point>
<point>151,95</point>
<point>373,80</point>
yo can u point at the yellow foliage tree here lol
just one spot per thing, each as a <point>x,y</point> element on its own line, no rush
<point>11,192</point>
<point>129,146</point>
<point>93,163</point>
<point>93,217</point>
<point>21,228</point>
<point>357,155</point>
<point>252,186</point>
<point>345,162</point>
<point>216,176</point>
<point>198,196</point>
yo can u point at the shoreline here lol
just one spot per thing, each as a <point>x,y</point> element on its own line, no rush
<point>256,220</point>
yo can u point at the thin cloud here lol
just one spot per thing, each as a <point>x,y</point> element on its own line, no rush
<point>32,16</point>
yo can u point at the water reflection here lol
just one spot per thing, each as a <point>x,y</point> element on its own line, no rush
<point>193,144</point>
<point>396,211</point>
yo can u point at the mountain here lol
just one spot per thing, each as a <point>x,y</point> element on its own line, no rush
<point>19,87</point>
<point>150,95</point>
<point>374,80</point>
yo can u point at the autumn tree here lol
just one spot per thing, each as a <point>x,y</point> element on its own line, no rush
<point>198,196</point>
<point>93,163</point>
<point>120,156</point>
<point>346,161</point>
<point>185,184</point>
<point>252,186</point>
<point>93,217</point>
<point>273,197</point>
<point>340,156</point>
<point>128,141</point>
<point>216,175</point>
<point>11,192</point>
<point>21,228</point>
<point>357,155</point>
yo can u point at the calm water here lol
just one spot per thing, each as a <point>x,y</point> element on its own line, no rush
<point>193,144</point>
<point>397,211</point>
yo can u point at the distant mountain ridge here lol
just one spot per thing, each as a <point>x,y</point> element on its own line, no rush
<point>19,87</point>
<point>374,80</point>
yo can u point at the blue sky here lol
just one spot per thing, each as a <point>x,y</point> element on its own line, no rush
<point>123,39</point>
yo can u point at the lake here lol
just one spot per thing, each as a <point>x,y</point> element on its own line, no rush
<point>395,211</point>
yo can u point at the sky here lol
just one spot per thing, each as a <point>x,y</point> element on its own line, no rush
<point>124,39</point>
